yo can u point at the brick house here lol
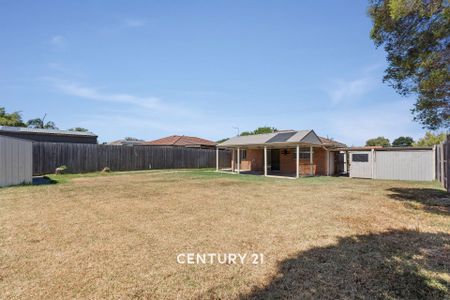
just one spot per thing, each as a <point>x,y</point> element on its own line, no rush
<point>290,153</point>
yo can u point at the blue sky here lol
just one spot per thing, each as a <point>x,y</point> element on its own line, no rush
<point>149,69</point>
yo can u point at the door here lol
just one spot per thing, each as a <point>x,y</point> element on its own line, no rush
<point>340,163</point>
<point>275,159</point>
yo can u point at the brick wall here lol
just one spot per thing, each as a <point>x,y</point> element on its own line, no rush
<point>287,162</point>
<point>255,161</point>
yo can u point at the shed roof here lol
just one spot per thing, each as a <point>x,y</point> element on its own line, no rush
<point>379,148</point>
<point>45,131</point>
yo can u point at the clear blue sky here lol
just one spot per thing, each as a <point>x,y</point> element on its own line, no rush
<point>149,69</point>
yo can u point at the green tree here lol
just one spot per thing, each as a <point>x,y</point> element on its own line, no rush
<point>11,119</point>
<point>222,140</point>
<point>430,139</point>
<point>259,130</point>
<point>416,36</point>
<point>38,123</point>
<point>80,129</point>
<point>244,133</point>
<point>41,124</point>
<point>379,141</point>
<point>403,141</point>
<point>131,139</point>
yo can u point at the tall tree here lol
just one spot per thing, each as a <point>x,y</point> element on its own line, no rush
<point>379,141</point>
<point>416,36</point>
<point>430,139</point>
<point>40,123</point>
<point>403,141</point>
<point>11,119</point>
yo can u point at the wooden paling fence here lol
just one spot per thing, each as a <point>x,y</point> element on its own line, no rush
<point>442,163</point>
<point>82,158</point>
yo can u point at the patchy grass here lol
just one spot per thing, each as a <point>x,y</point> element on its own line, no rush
<point>118,236</point>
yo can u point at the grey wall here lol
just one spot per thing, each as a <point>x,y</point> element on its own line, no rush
<point>395,165</point>
<point>16,165</point>
<point>404,165</point>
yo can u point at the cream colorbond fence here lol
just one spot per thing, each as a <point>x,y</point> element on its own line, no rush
<point>16,161</point>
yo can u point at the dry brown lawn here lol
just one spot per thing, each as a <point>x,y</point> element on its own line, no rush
<point>118,236</point>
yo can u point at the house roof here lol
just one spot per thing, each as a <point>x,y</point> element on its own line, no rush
<point>330,142</point>
<point>278,137</point>
<point>38,131</point>
<point>181,140</point>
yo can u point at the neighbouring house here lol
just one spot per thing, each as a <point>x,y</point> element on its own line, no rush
<point>49,135</point>
<point>291,153</point>
<point>184,141</point>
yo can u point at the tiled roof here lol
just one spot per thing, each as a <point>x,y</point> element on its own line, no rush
<point>329,142</point>
<point>181,140</point>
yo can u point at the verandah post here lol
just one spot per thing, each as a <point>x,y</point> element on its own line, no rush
<point>238,160</point>
<point>297,159</point>
<point>265,160</point>
<point>217,159</point>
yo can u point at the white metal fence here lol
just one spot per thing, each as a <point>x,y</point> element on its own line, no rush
<point>16,161</point>
<point>404,164</point>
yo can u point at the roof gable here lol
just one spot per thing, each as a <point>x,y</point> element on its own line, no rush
<point>279,137</point>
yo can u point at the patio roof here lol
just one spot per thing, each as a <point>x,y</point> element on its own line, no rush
<point>286,137</point>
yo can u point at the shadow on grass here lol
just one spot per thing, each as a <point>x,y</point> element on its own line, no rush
<point>397,264</point>
<point>43,180</point>
<point>432,200</point>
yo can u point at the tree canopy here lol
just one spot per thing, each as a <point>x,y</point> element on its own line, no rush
<point>11,119</point>
<point>222,140</point>
<point>430,139</point>
<point>403,141</point>
<point>41,124</point>
<point>131,139</point>
<point>259,130</point>
<point>379,141</point>
<point>80,129</point>
<point>416,36</point>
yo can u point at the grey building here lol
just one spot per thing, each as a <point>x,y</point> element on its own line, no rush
<point>49,135</point>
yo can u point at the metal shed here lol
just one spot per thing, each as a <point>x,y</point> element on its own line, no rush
<point>49,135</point>
<point>395,163</point>
<point>16,161</point>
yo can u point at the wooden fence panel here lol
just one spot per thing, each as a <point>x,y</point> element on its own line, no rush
<point>82,158</point>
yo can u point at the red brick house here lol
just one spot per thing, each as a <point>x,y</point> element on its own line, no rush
<point>291,153</point>
<point>184,141</point>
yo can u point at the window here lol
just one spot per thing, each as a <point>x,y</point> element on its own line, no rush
<point>243,154</point>
<point>360,157</point>
<point>304,153</point>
